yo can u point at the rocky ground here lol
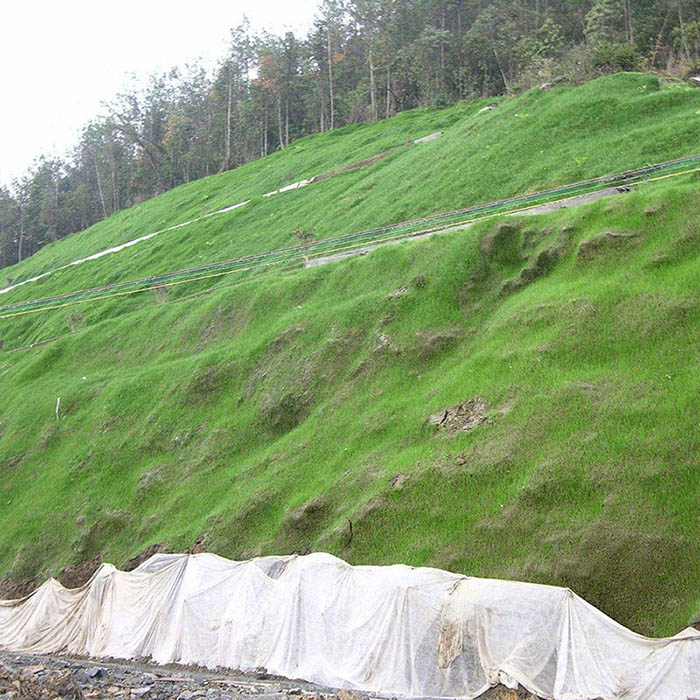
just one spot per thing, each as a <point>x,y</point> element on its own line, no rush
<point>24,677</point>
<point>27,677</point>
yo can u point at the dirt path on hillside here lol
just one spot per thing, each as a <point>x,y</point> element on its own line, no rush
<point>33,677</point>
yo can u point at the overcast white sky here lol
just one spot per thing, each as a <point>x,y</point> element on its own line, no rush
<point>59,59</point>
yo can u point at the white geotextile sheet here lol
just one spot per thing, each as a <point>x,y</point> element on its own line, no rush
<point>395,629</point>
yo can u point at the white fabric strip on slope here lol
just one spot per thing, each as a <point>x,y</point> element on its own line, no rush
<point>120,247</point>
<point>398,630</point>
<point>148,236</point>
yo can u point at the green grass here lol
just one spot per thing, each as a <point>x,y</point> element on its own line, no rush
<point>266,415</point>
<point>532,142</point>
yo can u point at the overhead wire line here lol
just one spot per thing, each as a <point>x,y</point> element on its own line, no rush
<point>369,237</point>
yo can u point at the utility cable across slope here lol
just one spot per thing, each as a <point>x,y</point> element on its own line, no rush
<point>371,238</point>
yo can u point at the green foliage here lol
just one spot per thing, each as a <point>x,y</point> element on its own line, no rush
<point>605,22</point>
<point>362,60</point>
<point>611,58</point>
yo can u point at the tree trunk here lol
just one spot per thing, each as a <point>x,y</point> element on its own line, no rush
<point>115,189</point>
<point>442,47</point>
<point>55,206</point>
<point>459,47</point>
<point>286,122</point>
<point>263,134</point>
<point>330,76</point>
<point>208,157</point>
<point>372,86</point>
<point>321,105</point>
<point>21,235</point>
<point>227,159</point>
<point>629,21</point>
<point>388,91</point>
<point>279,121</point>
<point>500,68</point>
<point>659,38</point>
<point>99,188</point>
<point>681,22</point>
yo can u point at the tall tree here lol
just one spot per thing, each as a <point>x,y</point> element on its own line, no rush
<point>361,59</point>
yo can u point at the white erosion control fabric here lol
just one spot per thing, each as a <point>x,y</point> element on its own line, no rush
<point>393,630</point>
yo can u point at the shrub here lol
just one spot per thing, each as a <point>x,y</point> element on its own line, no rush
<point>611,58</point>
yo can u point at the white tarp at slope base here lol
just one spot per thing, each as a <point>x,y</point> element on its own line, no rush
<point>395,629</point>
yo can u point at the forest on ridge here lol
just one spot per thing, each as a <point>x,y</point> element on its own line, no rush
<point>362,60</point>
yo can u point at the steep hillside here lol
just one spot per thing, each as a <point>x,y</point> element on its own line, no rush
<point>528,143</point>
<point>294,411</point>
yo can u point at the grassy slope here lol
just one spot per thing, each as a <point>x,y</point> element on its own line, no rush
<point>264,417</point>
<point>534,141</point>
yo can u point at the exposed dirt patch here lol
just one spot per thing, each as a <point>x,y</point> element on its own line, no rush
<point>199,546</point>
<point>610,241</point>
<point>206,382</point>
<point>141,557</point>
<point>153,477</point>
<point>419,281</point>
<point>398,481</point>
<point>225,322</point>
<point>398,292</point>
<point>365,163</point>
<point>13,462</point>
<point>542,265</point>
<point>461,418</point>
<point>280,414</point>
<point>78,575</point>
<point>503,244</point>
<point>50,433</point>
<point>305,235</point>
<point>307,518</point>
<point>500,692</point>
<point>285,338</point>
<point>432,342</point>
<point>10,589</point>
<point>384,344</point>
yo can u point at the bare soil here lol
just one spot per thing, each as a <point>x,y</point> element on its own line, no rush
<point>13,590</point>
<point>79,574</point>
<point>461,418</point>
<point>605,242</point>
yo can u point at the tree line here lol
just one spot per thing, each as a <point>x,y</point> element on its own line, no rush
<point>362,60</point>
